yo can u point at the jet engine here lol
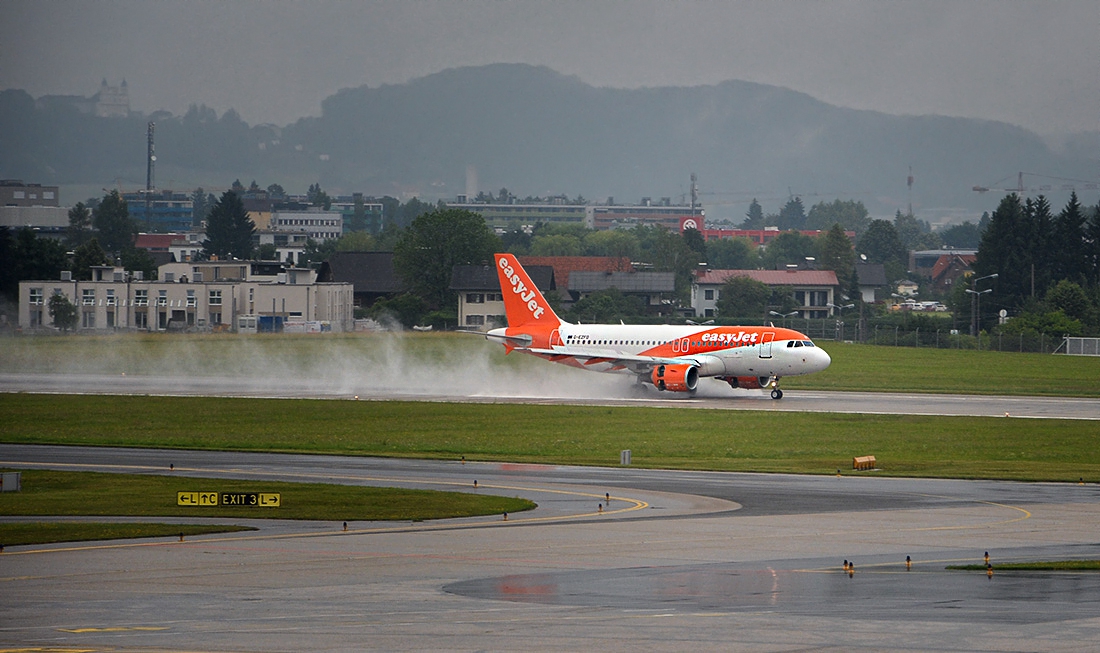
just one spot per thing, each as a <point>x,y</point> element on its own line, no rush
<point>675,378</point>
<point>749,382</point>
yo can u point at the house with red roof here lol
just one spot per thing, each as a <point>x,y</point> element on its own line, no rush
<point>563,265</point>
<point>170,247</point>
<point>949,268</point>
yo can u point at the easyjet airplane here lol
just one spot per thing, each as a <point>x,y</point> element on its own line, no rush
<point>670,357</point>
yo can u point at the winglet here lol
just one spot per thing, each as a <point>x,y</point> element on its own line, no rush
<point>523,303</point>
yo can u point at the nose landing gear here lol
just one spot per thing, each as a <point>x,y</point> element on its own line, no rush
<point>776,392</point>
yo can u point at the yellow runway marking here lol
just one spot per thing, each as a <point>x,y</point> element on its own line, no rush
<point>635,504</point>
<point>48,649</point>
<point>112,629</point>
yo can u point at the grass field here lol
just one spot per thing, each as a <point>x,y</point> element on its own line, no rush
<point>1053,565</point>
<point>959,447</point>
<point>24,533</point>
<point>954,371</point>
<point>96,494</point>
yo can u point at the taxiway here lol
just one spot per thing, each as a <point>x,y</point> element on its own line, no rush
<point>675,560</point>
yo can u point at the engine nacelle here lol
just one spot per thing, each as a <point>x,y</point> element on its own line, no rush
<point>750,382</point>
<point>675,378</point>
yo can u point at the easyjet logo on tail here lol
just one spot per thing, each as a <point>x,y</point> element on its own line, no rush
<point>524,303</point>
<point>518,287</point>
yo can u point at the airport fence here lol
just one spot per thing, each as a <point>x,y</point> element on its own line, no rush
<point>896,336</point>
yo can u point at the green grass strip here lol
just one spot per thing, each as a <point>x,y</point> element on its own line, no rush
<point>48,493</point>
<point>1057,565</point>
<point>871,368</point>
<point>25,533</point>
<point>814,443</point>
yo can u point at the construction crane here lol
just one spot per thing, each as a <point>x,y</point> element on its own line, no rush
<point>733,198</point>
<point>1068,184</point>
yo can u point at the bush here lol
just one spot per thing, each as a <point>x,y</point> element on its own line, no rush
<point>407,309</point>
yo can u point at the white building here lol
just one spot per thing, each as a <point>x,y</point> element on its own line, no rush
<point>207,295</point>
<point>289,247</point>
<point>813,290</point>
<point>32,205</point>
<point>480,301</point>
<point>316,223</point>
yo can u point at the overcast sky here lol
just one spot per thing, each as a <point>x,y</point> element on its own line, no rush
<point>1030,63</point>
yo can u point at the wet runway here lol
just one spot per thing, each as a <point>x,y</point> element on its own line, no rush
<point>675,561</point>
<point>715,396</point>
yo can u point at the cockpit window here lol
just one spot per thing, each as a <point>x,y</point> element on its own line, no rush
<point>797,343</point>
<point>808,343</point>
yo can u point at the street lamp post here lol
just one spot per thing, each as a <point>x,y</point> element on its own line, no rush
<point>976,304</point>
<point>840,322</point>
<point>784,316</point>
<point>976,300</point>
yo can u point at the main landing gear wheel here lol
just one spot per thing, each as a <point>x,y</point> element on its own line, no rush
<point>777,393</point>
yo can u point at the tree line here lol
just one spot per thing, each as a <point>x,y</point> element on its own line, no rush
<point>1047,268</point>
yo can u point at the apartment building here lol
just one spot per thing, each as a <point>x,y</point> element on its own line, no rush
<point>207,295</point>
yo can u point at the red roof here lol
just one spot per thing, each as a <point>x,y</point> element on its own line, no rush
<point>563,265</point>
<point>958,261</point>
<point>772,277</point>
<point>158,241</point>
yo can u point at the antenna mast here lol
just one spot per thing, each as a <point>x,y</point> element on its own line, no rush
<point>150,165</point>
<point>910,182</point>
<point>694,194</point>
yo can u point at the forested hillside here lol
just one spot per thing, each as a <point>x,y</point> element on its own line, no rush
<point>538,132</point>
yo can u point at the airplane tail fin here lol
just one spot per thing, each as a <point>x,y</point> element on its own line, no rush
<point>523,303</point>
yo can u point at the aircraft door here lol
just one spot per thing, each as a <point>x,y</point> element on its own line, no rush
<point>555,339</point>
<point>766,344</point>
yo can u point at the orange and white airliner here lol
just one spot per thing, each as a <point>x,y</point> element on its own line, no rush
<point>670,357</point>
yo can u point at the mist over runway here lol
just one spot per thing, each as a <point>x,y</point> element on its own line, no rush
<point>441,367</point>
<point>594,390</point>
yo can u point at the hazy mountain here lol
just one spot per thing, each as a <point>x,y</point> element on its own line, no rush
<point>537,132</point>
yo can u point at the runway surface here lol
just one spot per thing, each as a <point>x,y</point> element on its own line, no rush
<point>675,561</point>
<point>793,400</point>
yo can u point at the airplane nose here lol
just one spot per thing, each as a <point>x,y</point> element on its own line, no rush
<point>822,359</point>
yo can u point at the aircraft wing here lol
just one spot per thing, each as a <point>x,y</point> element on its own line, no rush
<point>521,341</point>
<point>615,360</point>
